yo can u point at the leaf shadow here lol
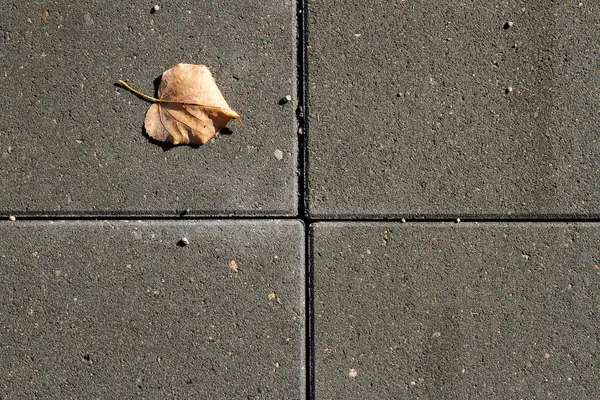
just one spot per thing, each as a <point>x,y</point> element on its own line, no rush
<point>163,145</point>
<point>156,83</point>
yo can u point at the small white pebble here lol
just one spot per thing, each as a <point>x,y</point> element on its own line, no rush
<point>233,265</point>
<point>155,8</point>
<point>580,4</point>
<point>510,23</point>
<point>278,154</point>
<point>184,241</point>
<point>12,218</point>
<point>403,220</point>
<point>457,220</point>
<point>352,373</point>
<point>288,98</point>
<point>413,383</point>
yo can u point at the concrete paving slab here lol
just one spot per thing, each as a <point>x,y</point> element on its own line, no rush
<point>120,310</point>
<point>419,108</point>
<point>71,143</point>
<point>463,311</point>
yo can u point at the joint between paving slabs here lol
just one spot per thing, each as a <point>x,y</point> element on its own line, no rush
<point>303,131</point>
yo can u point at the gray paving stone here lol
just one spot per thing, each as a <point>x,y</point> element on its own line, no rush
<point>117,310</point>
<point>72,143</point>
<point>457,311</point>
<point>410,112</point>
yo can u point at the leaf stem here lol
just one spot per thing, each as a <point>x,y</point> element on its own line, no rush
<point>149,98</point>
<point>155,100</point>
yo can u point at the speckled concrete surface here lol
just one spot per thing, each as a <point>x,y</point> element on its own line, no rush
<point>419,108</point>
<point>71,143</point>
<point>120,310</point>
<point>456,311</point>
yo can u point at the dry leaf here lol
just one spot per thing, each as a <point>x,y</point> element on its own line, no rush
<point>190,108</point>
<point>45,15</point>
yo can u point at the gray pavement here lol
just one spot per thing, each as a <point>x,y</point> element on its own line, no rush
<point>72,143</point>
<point>456,311</point>
<point>119,310</point>
<point>416,110</point>
<point>421,108</point>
